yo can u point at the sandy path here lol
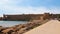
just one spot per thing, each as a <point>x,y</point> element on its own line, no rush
<point>51,27</point>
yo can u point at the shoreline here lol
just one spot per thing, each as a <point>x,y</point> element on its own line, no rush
<point>21,28</point>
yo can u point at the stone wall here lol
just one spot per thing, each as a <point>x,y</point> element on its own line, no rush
<point>0,18</point>
<point>28,17</point>
<point>22,17</point>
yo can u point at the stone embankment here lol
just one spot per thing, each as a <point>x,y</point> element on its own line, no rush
<point>21,28</point>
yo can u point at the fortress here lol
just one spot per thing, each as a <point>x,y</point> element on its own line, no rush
<point>28,17</point>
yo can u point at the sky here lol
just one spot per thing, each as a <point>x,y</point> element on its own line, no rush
<point>29,6</point>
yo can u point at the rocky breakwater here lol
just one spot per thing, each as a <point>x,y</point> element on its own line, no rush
<point>21,28</point>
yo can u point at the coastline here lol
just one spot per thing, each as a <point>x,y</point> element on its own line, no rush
<point>21,28</point>
<point>33,23</point>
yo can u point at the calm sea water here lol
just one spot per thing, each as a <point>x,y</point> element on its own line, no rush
<point>11,23</point>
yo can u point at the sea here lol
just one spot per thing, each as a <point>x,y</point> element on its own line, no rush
<point>11,23</point>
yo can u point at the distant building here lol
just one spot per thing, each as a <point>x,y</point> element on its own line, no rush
<point>27,17</point>
<point>21,17</point>
<point>0,18</point>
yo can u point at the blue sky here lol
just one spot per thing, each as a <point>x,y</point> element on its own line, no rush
<point>29,6</point>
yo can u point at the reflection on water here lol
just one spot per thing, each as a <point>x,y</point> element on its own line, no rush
<point>11,23</point>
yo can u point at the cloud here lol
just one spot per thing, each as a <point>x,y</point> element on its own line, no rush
<point>30,10</point>
<point>26,7</point>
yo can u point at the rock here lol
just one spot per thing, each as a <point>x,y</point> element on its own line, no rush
<point>14,33</point>
<point>7,30</point>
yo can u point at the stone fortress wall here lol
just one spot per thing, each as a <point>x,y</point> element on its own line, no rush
<point>28,17</point>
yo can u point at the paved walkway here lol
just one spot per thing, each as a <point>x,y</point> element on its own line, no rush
<point>51,27</point>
